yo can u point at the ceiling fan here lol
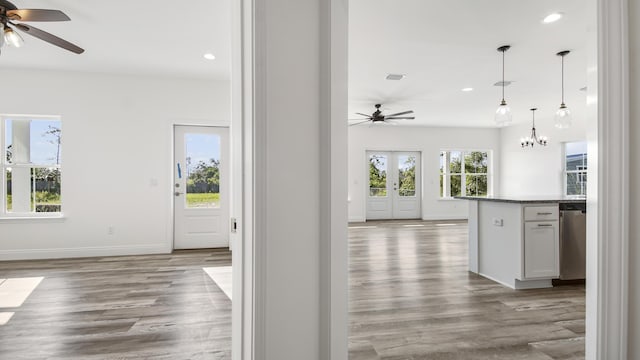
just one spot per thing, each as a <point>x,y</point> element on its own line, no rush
<point>11,19</point>
<point>378,117</point>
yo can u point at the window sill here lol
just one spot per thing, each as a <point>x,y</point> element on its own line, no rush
<point>19,219</point>
<point>447,199</point>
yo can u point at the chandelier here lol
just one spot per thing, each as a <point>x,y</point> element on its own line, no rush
<point>533,138</point>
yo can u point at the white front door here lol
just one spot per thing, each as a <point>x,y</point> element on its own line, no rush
<point>201,187</point>
<point>394,185</point>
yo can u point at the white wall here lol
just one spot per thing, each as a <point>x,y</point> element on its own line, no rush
<point>117,143</point>
<point>634,215</point>
<point>428,140</point>
<point>536,171</point>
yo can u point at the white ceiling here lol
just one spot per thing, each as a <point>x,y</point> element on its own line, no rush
<point>441,45</point>
<point>446,45</point>
<point>134,37</point>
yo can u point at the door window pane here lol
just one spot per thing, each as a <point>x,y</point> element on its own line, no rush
<point>377,175</point>
<point>202,153</point>
<point>407,175</point>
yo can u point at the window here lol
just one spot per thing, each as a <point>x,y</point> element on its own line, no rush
<point>31,172</point>
<point>575,168</point>
<point>464,173</point>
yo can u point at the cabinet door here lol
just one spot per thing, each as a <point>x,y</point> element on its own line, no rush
<point>541,250</point>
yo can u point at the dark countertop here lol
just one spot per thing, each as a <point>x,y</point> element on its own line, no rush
<point>526,199</point>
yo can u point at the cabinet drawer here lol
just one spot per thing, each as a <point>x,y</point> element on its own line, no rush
<point>541,213</point>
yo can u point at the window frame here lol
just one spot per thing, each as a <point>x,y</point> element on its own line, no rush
<point>4,165</point>
<point>581,171</point>
<point>445,194</point>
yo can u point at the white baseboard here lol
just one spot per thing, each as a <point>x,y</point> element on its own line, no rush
<point>39,254</point>
<point>446,217</point>
<point>357,219</point>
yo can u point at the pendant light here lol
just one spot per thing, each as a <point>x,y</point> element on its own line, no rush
<point>533,139</point>
<point>503,114</point>
<point>563,115</point>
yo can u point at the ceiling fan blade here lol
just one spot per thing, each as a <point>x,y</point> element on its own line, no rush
<point>50,38</point>
<point>358,123</point>
<point>363,115</point>
<point>400,113</point>
<point>400,118</point>
<point>37,15</point>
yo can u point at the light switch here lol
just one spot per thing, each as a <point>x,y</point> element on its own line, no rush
<point>497,222</point>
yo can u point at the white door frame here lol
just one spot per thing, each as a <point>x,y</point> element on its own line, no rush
<point>392,173</point>
<point>225,184</point>
<point>608,207</point>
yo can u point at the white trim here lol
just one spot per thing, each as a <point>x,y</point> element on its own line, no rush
<point>333,245</point>
<point>445,217</point>
<point>607,249</point>
<point>37,254</point>
<point>357,219</point>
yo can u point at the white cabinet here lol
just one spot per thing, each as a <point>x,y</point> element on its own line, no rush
<point>541,243</point>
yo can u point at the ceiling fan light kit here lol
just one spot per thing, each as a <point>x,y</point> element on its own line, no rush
<point>12,38</point>
<point>503,115</point>
<point>563,115</point>
<point>12,18</point>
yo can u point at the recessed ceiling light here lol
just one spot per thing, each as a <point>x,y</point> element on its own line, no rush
<point>552,18</point>
<point>209,56</point>
<point>467,89</point>
<point>395,76</point>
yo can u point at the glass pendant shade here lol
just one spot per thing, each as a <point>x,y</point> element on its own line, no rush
<point>563,117</point>
<point>12,38</point>
<point>503,115</point>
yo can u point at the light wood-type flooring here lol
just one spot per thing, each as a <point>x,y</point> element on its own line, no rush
<point>411,297</point>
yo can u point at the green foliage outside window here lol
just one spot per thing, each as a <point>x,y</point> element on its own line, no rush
<point>377,176</point>
<point>474,173</point>
<point>407,177</point>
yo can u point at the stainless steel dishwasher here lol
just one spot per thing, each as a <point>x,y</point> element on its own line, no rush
<point>573,240</point>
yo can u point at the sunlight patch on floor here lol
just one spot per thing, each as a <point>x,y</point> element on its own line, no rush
<point>14,292</point>
<point>5,317</point>
<point>221,275</point>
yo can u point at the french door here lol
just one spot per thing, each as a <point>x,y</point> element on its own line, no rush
<point>201,187</point>
<point>394,185</point>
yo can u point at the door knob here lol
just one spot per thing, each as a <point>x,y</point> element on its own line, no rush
<point>177,193</point>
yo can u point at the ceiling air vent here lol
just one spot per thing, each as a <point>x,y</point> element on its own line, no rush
<point>395,76</point>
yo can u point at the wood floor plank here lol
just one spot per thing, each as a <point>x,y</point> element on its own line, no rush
<point>128,307</point>
<point>411,297</point>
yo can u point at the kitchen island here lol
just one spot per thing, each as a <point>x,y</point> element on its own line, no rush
<point>515,240</point>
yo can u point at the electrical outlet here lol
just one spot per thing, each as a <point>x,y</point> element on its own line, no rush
<point>497,222</point>
<point>110,230</point>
